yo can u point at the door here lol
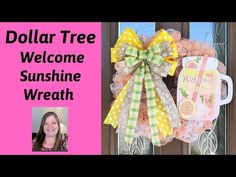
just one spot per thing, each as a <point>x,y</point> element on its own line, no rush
<point>221,139</point>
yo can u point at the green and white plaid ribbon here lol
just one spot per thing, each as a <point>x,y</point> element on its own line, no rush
<point>151,106</point>
<point>134,106</point>
<point>153,54</point>
<point>142,58</point>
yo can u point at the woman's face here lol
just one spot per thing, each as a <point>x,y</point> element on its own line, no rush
<point>51,127</point>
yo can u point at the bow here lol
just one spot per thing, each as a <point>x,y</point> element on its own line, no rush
<point>154,54</point>
<point>147,66</point>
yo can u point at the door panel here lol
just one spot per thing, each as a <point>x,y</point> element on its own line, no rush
<point>140,145</point>
<point>215,33</point>
<point>176,147</point>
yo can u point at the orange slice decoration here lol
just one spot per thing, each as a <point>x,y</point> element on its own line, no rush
<point>187,108</point>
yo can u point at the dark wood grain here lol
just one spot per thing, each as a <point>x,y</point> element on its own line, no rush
<point>109,36</point>
<point>231,108</point>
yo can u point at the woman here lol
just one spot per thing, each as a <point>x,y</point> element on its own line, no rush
<point>49,137</point>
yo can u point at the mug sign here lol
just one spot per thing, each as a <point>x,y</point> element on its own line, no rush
<point>199,89</point>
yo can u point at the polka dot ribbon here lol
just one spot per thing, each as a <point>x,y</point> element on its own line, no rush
<point>160,50</point>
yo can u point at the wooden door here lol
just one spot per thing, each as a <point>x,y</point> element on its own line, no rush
<point>223,36</point>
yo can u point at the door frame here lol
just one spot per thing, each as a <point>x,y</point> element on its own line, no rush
<point>230,108</point>
<point>109,37</point>
<point>177,147</point>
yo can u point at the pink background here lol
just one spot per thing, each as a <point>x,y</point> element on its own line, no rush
<point>84,112</point>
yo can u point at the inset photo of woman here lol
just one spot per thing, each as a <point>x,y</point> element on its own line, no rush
<point>49,129</point>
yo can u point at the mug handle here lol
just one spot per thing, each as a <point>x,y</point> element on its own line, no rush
<point>230,89</point>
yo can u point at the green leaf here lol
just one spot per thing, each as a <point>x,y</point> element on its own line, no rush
<point>197,59</point>
<point>211,99</point>
<point>183,92</point>
<point>202,98</point>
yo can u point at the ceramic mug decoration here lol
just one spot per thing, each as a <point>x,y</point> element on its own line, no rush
<point>199,88</point>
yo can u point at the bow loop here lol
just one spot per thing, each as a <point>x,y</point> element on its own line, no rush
<point>131,51</point>
<point>154,54</point>
<point>142,54</point>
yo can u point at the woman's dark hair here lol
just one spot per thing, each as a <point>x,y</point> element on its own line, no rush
<point>41,135</point>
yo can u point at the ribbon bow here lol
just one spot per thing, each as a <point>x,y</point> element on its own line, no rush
<point>154,54</point>
<point>148,67</point>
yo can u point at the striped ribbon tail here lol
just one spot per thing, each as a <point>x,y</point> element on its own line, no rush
<point>151,106</point>
<point>134,106</point>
